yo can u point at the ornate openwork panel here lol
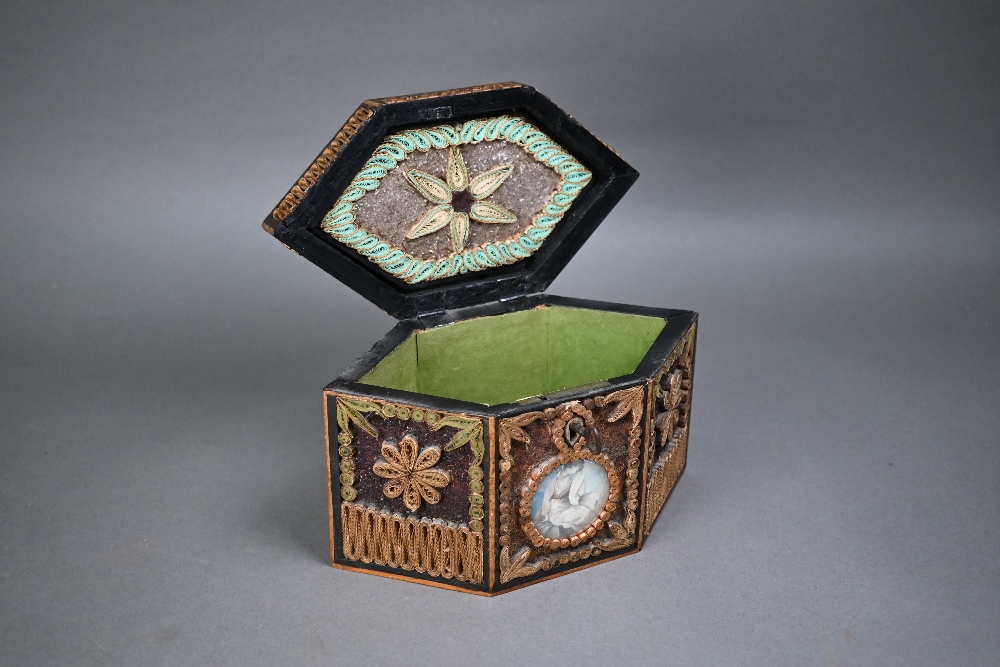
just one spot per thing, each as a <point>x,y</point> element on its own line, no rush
<point>670,423</point>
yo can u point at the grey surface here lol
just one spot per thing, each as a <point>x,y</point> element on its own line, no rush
<point>820,180</point>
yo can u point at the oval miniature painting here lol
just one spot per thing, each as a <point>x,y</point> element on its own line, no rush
<point>569,499</point>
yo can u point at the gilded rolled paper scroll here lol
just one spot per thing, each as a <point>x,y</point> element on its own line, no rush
<point>577,468</point>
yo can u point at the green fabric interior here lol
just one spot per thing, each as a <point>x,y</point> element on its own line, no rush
<point>503,358</point>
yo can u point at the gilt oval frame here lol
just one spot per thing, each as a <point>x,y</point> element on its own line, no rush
<point>547,467</point>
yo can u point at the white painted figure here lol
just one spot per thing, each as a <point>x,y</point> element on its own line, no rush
<point>569,499</point>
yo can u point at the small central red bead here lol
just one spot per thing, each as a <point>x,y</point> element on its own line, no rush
<point>462,201</point>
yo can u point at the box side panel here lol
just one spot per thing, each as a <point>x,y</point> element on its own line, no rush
<point>408,491</point>
<point>669,426</point>
<point>331,437</point>
<point>493,503</point>
<point>569,484</point>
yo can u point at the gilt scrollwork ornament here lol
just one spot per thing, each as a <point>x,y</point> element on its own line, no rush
<point>410,472</point>
<point>436,548</point>
<point>672,408</point>
<point>414,484</point>
<point>566,505</point>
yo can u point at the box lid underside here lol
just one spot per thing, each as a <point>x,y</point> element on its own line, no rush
<point>445,200</point>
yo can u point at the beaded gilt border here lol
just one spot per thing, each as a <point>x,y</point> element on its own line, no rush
<point>667,452</point>
<point>630,401</point>
<point>294,196</point>
<point>340,221</point>
<point>468,431</point>
<point>578,451</point>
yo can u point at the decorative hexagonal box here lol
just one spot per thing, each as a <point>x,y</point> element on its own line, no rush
<point>497,436</point>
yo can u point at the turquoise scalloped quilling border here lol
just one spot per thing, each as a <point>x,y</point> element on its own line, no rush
<point>340,221</point>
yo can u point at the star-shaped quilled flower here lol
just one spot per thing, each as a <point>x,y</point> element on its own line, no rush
<point>410,473</point>
<point>458,198</point>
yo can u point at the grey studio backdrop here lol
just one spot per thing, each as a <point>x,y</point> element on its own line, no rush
<point>821,181</point>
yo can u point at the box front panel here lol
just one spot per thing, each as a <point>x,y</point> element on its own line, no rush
<point>569,485</point>
<point>407,490</point>
<point>669,424</point>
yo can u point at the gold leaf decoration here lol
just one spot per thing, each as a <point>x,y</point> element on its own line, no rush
<point>458,175</point>
<point>628,400</point>
<point>460,230</point>
<point>431,187</point>
<point>487,183</point>
<point>435,219</point>
<point>488,212</point>
<point>512,569</point>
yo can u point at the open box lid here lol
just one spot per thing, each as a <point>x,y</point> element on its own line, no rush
<point>443,200</point>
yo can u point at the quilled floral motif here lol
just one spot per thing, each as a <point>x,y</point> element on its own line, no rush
<point>672,392</point>
<point>458,199</point>
<point>409,471</point>
<point>467,432</point>
<point>341,221</point>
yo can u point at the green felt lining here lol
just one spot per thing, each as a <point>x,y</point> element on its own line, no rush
<point>503,358</point>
